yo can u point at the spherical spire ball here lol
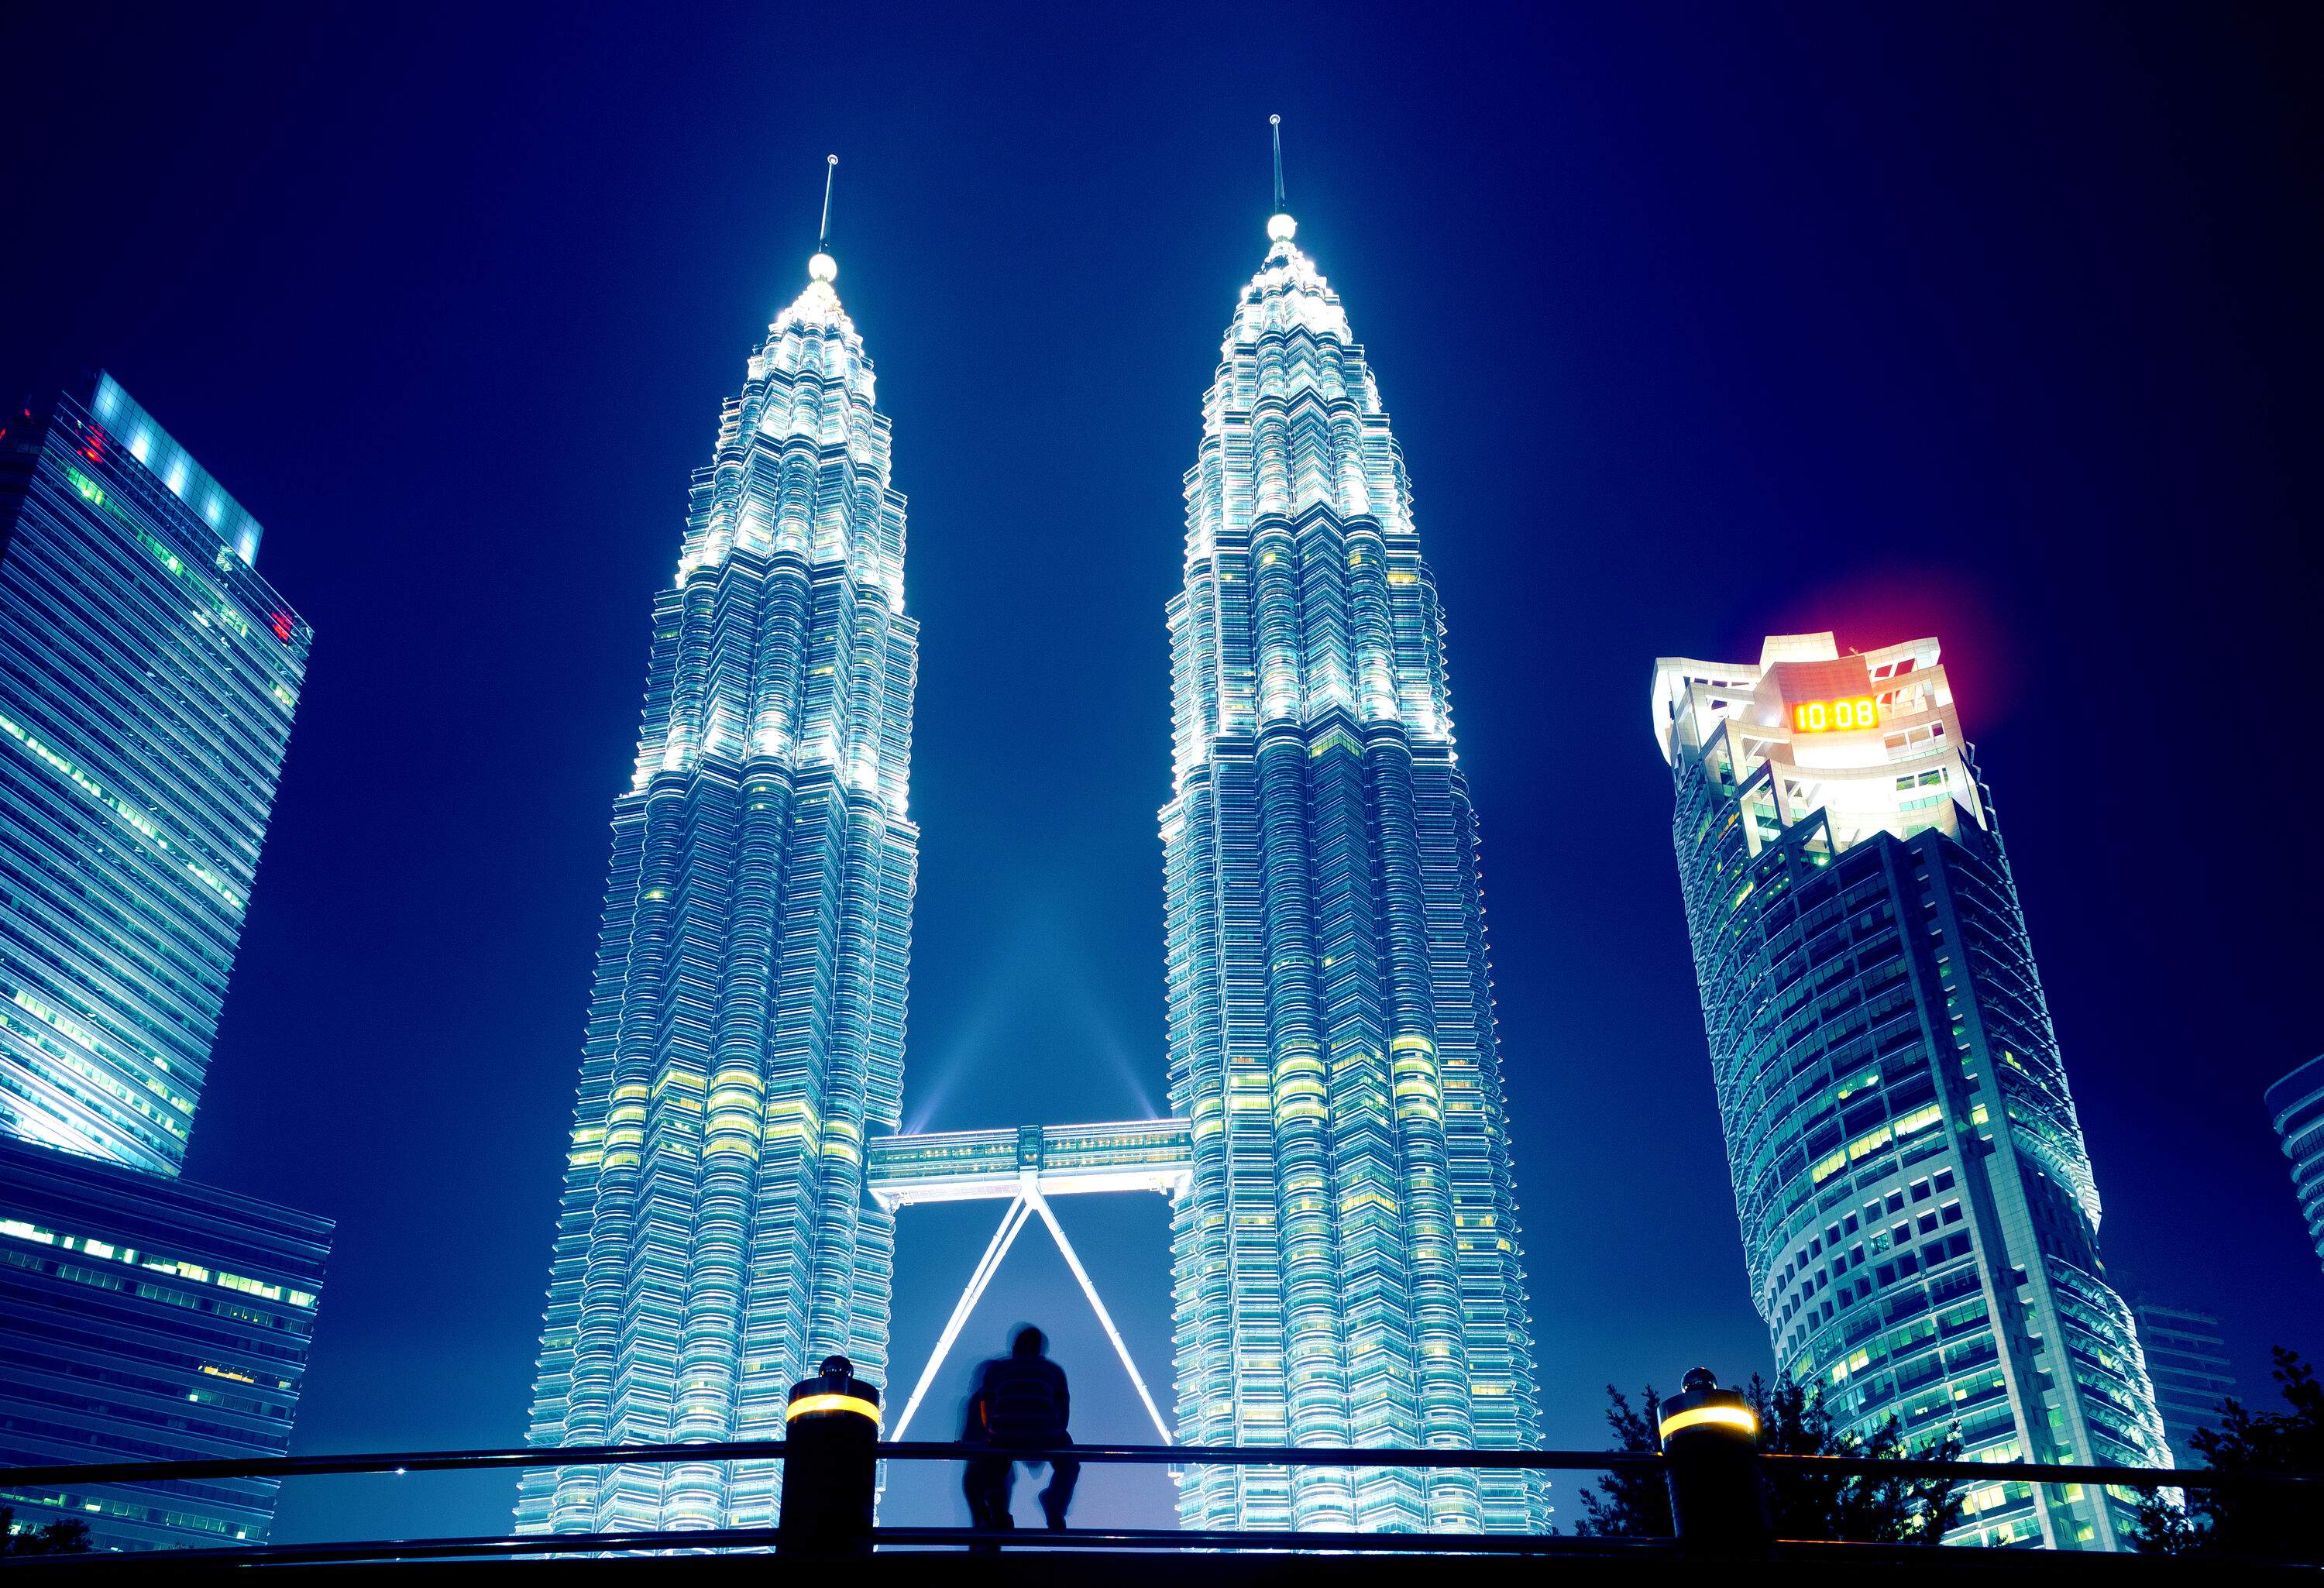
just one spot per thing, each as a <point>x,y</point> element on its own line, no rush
<point>823,268</point>
<point>1282,229</point>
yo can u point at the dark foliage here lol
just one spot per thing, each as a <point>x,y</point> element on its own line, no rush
<point>1793,1421</point>
<point>1633,1503</point>
<point>69,1537</point>
<point>2269,1521</point>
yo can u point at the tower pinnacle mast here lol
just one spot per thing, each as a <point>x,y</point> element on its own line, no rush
<point>823,267</point>
<point>1276,124</point>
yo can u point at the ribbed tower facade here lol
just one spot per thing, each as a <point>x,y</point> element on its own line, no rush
<point>746,1028</point>
<point>1347,1268</point>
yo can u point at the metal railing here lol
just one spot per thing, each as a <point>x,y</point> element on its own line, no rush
<point>18,1480</point>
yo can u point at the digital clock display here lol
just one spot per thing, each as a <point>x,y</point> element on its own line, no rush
<point>1826,716</point>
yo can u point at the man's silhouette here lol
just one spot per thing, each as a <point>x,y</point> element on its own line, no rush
<point>1021,1403</point>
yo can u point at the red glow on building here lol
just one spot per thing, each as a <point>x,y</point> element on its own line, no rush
<point>282,625</point>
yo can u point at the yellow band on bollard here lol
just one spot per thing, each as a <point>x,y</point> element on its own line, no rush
<point>1732,1416</point>
<point>808,1404</point>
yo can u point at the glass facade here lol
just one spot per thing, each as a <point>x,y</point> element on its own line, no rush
<point>2187,1358</point>
<point>1346,1263</point>
<point>745,1033</point>
<point>2296,1106</point>
<point>147,681</point>
<point>146,1318</point>
<point>148,677</point>
<point>1919,1218</point>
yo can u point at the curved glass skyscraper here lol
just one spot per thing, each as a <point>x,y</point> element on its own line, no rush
<point>2295,1106</point>
<point>1918,1217</point>
<point>1347,1267</point>
<point>746,1031</point>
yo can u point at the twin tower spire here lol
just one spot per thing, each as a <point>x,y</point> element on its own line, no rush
<point>823,267</point>
<point>1344,1234</point>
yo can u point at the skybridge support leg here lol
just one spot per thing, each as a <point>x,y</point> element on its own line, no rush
<point>1011,1221</point>
<point>1041,1206</point>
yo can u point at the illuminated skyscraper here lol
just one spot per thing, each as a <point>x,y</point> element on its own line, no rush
<point>1347,1267</point>
<point>148,677</point>
<point>746,1029</point>
<point>147,681</point>
<point>1919,1217</point>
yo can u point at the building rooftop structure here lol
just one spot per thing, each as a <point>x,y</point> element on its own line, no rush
<point>1811,716</point>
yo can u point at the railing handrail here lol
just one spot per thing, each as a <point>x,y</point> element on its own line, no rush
<point>508,1547</point>
<point>520,1457</point>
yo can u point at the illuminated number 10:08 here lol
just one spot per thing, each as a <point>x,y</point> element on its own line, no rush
<point>1822,716</point>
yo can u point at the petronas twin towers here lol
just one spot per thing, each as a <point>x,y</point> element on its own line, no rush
<point>1346,1263</point>
<point>746,1027</point>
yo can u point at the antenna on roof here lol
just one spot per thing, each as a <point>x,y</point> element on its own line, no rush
<point>1276,121</point>
<point>823,267</point>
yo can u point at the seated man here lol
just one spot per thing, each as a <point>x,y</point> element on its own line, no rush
<point>1021,1403</point>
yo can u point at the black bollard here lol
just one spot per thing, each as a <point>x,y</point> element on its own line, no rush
<point>832,1431</point>
<point>1710,1453</point>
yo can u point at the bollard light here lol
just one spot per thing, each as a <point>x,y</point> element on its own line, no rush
<point>832,1427</point>
<point>1710,1451</point>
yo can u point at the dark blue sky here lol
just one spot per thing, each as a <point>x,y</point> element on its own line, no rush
<point>1994,322</point>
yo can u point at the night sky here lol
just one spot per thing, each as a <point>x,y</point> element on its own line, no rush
<point>1695,325</point>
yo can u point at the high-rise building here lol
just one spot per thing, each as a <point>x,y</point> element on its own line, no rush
<point>1347,1267</point>
<point>148,677</point>
<point>2295,1104</point>
<point>2185,1356</point>
<point>746,1029</point>
<point>1919,1218</point>
<point>147,681</point>
<point>146,1318</point>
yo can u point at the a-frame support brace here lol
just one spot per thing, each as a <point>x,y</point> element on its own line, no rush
<point>1011,1221</point>
<point>1027,1202</point>
<point>1041,1207</point>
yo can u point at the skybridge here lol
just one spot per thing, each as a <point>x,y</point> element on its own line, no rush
<point>1025,1167</point>
<point>1063,1161</point>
